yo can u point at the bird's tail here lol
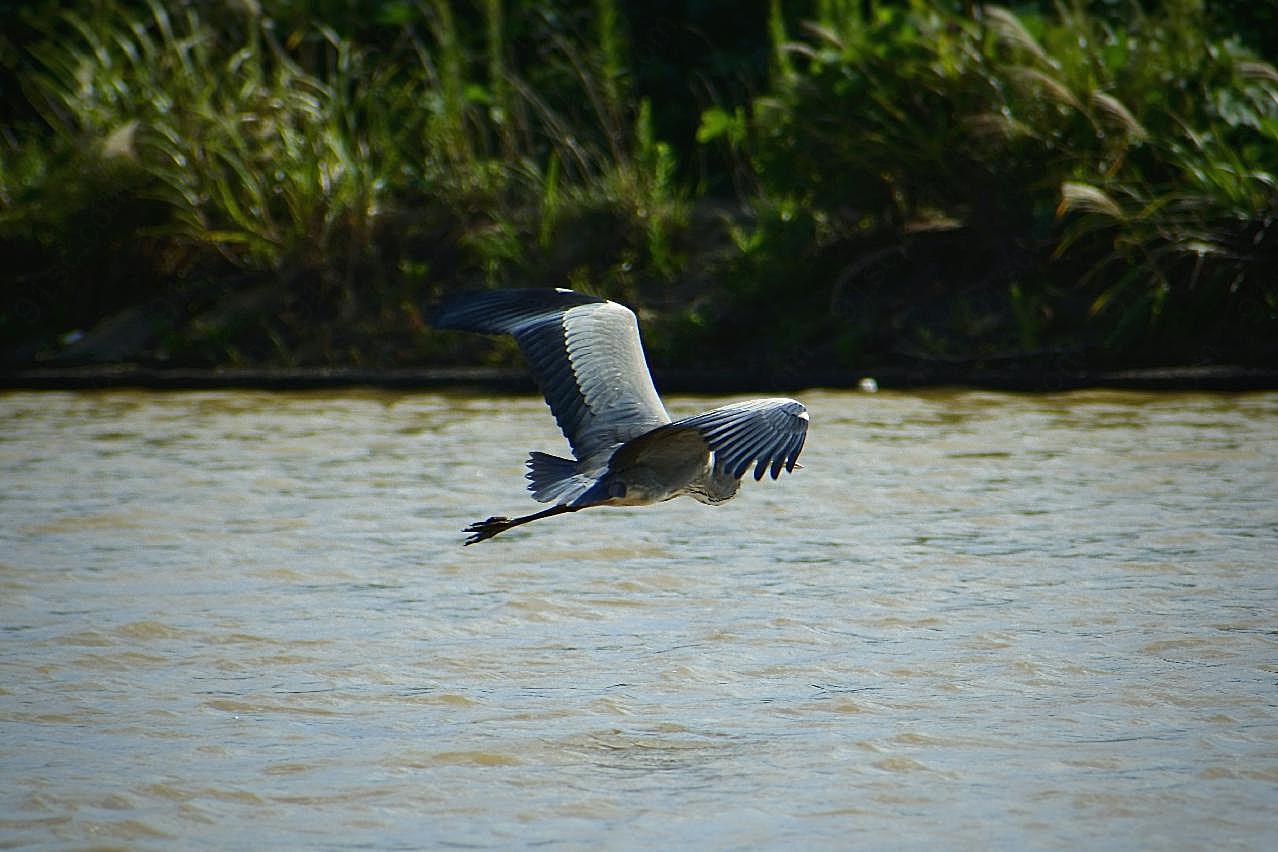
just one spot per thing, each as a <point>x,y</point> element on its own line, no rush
<point>553,479</point>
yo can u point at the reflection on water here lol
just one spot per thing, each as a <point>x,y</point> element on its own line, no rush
<point>245,620</point>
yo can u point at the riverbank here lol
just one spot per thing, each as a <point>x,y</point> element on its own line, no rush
<point>953,196</point>
<point>513,380</point>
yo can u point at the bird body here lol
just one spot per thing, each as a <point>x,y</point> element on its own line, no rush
<point>586,355</point>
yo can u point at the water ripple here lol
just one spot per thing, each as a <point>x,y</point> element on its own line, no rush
<point>973,619</point>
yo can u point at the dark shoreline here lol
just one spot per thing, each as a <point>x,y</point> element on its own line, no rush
<point>516,380</point>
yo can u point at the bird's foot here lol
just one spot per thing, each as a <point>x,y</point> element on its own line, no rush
<point>481,530</point>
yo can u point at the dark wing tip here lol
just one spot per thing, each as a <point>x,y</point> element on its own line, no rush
<point>766,434</point>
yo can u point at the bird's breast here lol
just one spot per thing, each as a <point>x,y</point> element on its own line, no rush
<point>640,490</point>
<point>657,466</point>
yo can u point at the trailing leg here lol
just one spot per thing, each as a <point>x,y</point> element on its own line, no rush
<point>481,530</point>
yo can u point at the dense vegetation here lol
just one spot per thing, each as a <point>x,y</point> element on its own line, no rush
<point>838,183</point>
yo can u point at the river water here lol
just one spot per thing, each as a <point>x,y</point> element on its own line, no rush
<point>973,620</point>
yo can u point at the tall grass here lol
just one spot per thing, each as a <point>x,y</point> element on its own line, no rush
<point>913,181</point>
<point>312,158</point>
<point>1176,191</point>
<point>1111,184</point>
<point>268,164</point>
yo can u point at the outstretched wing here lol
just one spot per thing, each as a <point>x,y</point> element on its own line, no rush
<point>584,352</point>
<point>763,432</point>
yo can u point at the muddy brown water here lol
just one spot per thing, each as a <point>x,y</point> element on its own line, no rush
<point>973,620</point>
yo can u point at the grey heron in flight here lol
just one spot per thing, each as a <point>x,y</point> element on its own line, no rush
<point>586,356</point>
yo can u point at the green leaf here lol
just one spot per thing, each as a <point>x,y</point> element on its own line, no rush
<point>717,122</point>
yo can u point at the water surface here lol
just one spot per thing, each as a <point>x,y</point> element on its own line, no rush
<point>976,620</point>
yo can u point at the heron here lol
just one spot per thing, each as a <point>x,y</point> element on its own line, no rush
<point>587,357</point>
